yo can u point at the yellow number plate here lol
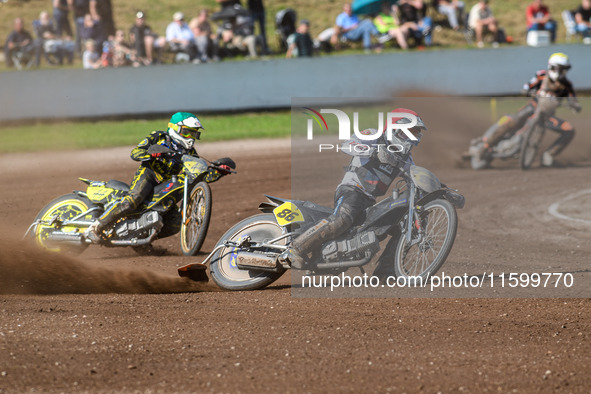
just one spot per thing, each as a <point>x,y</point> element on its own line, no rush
<point>287,213</point>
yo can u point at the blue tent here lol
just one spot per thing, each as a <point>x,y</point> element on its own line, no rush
<point>369,7</point>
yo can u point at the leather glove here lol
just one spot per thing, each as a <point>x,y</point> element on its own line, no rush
<point>387,158</point>
<point>224,169</point>
<point>156,156</point>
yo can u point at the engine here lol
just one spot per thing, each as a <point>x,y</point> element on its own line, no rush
<point>138,228</point>
<point>351,249</point>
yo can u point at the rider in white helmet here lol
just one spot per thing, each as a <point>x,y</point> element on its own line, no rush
<point>546,83</point>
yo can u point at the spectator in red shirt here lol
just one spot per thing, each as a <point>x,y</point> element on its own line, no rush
<point>539,18</point>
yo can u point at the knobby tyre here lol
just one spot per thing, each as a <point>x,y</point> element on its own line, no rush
<point>423,259</point>
<point>194,228</point>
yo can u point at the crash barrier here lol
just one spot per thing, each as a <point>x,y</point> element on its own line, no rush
<point>270,84</point>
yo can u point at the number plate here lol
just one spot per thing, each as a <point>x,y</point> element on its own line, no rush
<point>287,213</point>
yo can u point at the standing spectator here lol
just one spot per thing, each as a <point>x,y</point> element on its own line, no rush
<point>81,8</point>
<point>583,19</point>
<point>180,37</point>
<point>453,9</point>
<point>91,58</point>
<point>50,42</point>
<point>20,41</point>
<point>144,40</point>
<point>538,18</point>
<point>104,12</point>
<point>237,36</point>
<point>204,37</point>
<point>61,14</point>
<point>257,10</point>
<point>349,26</point>
<point>300,43</point>
<point>481,19</point>
<point>412,14</point>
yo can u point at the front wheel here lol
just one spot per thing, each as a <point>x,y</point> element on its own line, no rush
<point>224,271</point>
<point>427,252</point>
<point>194,227</point>
<point>52,217</point>
<point>531,143</point>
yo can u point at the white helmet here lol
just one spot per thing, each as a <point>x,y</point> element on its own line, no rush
<point>183,128</point>
<point>399,136</point>
<point>558,65</point>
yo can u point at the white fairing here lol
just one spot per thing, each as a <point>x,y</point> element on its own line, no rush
<point>424,179</point>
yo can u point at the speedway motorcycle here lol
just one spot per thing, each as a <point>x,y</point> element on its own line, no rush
<point>522,144</point>
<point>61,224</point>
<point>419,216</point>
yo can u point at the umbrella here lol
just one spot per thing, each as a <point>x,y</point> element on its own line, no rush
<point>370,7</point>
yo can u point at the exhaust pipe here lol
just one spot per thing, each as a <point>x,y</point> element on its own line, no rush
<point>345,264</point>
<point>262,262</point>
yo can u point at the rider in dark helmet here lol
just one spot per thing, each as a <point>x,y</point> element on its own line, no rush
<point>370,173</point>
<point>546,83</point>
<point>183,129</point>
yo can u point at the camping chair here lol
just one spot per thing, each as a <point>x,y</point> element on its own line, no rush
<point>285,25</point>
<point>570,25</point>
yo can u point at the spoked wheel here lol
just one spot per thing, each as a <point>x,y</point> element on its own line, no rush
<point>53,215</point>
<point>194,228</point>
<point>224,271</point>
<point>430,245</point>
<point>531,144</point>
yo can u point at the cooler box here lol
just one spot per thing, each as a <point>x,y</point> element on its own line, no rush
<point>538,38</point>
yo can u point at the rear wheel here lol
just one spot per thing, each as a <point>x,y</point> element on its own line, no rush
<point>54,215</point>
<point>438,221</point>
<point>194,228</point>
<point>224,271</point>
<point>531,144</point>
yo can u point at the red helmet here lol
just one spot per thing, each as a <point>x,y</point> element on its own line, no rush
<point>416,130</point>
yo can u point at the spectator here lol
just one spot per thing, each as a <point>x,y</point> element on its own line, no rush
<point>81,8</point>
<point>205,39</point>
<point>50,42</point>
<point>144,40</point>
<point>539,18</point>
<point>104,13</point>
<point>388,25</point>
<point>583,19</point>
<point>453,9</point>
<point>123,55</point>
<point>61,14</point>
<point>91,59</point>
<point>481,19</point>
<point>91,30</point>
<point>412,14</point>
<point>19,41</point>
<point>237,36</point>
<point>257,10</point>
<point>349,27</point>
<point>300,43</point>
<point>180,37</point>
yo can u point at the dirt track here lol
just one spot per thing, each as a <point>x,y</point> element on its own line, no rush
<point>200,339</point>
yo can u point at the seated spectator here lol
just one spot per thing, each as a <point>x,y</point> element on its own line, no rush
<point>91,30</point>
<point>61,12</point>
<point>538,18</point>
<point>411,13</point>
<point>237,36</point>
<point>91,58</point>
<point>123,54</point>
<point>81,8</point>
<point>144,40</point>
<point>205,39</point>
<point>388,25</point>
<point>453,9</point>
<point>583,19</point>
<point>50,42</point>
<point>20,43</point>
<point>349,27</point>
<point>180,37</point>
<point>481,19</point>
<point>300,43</point>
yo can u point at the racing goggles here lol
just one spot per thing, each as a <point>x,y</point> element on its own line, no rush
<point>189,132</point>
<point>561,70</point>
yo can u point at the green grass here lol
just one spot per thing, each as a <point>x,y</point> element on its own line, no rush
<point>85,135</point>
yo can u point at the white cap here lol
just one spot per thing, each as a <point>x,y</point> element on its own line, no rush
<point>178,16</point>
